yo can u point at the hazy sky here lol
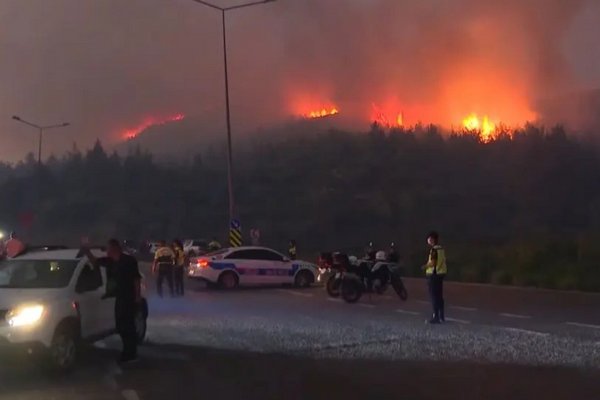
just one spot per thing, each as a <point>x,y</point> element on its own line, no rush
<point>107,65</point>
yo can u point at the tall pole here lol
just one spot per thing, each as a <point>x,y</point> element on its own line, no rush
<point>40,129</point>
<point>228,116</point>
<point>40,147</point>
<point>227,107</point>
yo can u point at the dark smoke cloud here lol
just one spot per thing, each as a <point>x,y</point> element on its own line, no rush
<point>104,65</point>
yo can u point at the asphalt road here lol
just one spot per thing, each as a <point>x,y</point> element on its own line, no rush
<point>287,343</point>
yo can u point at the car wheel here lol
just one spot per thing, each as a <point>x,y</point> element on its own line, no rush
<point>303,279</point>
<point>228,280</point>
<point>63,350</point>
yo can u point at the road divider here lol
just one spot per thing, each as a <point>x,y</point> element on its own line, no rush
<point>582,325</point>
<point>401,311</point>
<point>526,331</point>
<point>518,316</point>
<point>458,321</point>
<point>295,293</point>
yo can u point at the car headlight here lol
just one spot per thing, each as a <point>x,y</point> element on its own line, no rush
<point>25,315</point>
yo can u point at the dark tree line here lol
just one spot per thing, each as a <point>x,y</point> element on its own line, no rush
<point>523,209</point>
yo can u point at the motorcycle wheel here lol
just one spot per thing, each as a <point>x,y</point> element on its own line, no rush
<point>351,290</point>
<point>333,286</point>
<point>400,289</point>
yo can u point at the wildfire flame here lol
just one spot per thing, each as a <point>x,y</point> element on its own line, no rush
<point>381,118</point>
<point>132,133</point>
<point>483,126</point>
<point>324,112</point>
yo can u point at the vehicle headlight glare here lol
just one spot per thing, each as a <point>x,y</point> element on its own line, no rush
<point>25,315</point>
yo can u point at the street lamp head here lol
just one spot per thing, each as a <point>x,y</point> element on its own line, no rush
<point>15,117</point>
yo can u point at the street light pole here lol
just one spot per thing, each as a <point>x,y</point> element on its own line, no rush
<point>41,130</point>
<point>228,116</point>
<point>223,11</point>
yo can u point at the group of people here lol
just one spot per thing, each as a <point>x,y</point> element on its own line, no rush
<point>169,265</point>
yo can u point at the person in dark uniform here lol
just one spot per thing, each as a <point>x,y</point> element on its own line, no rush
<point>292,250</point>
<point>164,262</point>
<point>179,267</point>
<point>393,255</point>
<point>125,278</point>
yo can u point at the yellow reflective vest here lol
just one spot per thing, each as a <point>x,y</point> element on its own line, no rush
<point>164,255</point>
<point>436,263</point>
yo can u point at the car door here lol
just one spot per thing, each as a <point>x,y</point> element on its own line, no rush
<point>243,261</point>
<point>107,306</point>
<point>272,267</point>
<point>89,291</point>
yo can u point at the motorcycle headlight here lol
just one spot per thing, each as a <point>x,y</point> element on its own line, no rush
<point>26,315</point>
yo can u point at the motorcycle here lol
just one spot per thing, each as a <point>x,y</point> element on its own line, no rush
<point>371,278</point>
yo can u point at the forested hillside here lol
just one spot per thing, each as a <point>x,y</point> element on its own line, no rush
<point>523,209</point>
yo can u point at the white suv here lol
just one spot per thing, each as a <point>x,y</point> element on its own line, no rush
<point>53,300</point>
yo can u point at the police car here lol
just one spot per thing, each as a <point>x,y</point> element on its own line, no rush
<point>53,300</point>
<point>229,268</point>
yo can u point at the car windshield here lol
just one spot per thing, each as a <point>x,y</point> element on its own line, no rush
<point>36,274</point>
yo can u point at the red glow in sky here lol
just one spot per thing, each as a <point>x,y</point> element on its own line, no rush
<point>132,133</point>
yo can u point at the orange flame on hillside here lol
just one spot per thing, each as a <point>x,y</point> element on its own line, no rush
<point>322,113</point>
<point>482,126</point>
<point>383,119</point>
<point>132,133</point>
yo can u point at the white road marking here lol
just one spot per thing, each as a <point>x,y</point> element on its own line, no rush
<point>458,321</point>
<point>508,315</point>
<point>367,305</point>
<point>528,332</point>
<point>130,394</point>
<point>401,311</point>
<point>334,299</point>
<point>461,308</point>
<point>295,293</point>
<point>579,324</point>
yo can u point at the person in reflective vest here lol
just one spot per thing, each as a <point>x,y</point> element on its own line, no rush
<point>214,245</point>
<point>435,270</point>
<point>164,261</point>
<point>292,250</point>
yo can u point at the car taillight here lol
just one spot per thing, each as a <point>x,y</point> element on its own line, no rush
<point>202,263</point>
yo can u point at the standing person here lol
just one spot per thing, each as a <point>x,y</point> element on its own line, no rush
<point>393,255</point>
<point>435,270</point>
<point>123,269</point>
<point>164,260</point>
<point>214,245</point>
<point>14,246</point>
<point>292,250</point>
<point>255,237</point>
<point>179,267</point>
<point>370,252</point>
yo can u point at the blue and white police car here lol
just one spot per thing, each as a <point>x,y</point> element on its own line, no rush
<point>229,268</point>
